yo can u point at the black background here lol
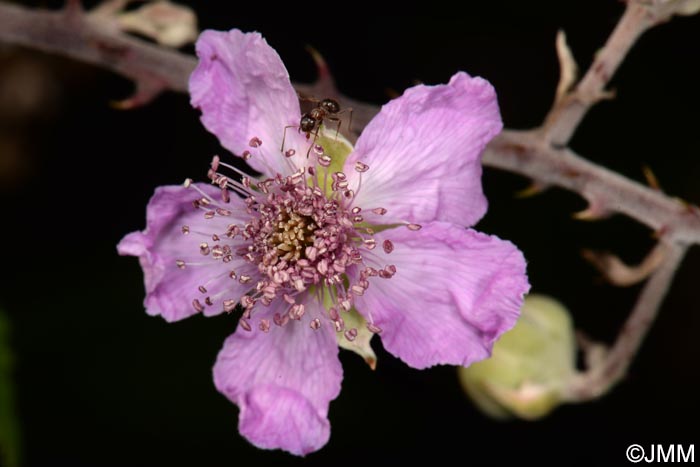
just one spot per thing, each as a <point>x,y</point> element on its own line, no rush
<point>102,384</point>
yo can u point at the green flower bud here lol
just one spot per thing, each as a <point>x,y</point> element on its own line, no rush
<point>530,365</point>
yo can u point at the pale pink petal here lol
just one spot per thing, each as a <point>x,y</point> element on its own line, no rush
<point>170,290</point>
<point>424,153</point>
<point>243,90</point>
<point>454,293</point>
<point>282,380</point>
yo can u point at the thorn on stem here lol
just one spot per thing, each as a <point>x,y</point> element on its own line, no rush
<point>594,212</point>
<point>535,188</point>
<point>325,84</point>
<point>147,89</point>
<point>568,70</point>
<point>620,274</point>
<point>651,178</point>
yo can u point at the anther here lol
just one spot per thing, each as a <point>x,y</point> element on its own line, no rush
<point>185,229</point>
<point>414,227</point>
<point>244,279</point>
<point>197,306</point>
<point>379,211</point>
<point>374,328</point>
<point>264,325</point>
<point>246,155</point>
<point>245,324</point>
<point>202,289</point>
<point>180,264</point>
<point>229,305</point>
<point>315,324</point>
<point>204,249</point>
<point>215,163</point>
<point>289,153</point>
<point>333,313</point>
<point>351,334</point>
<point>388,246</point>
<point>324,160</point>
<point>361,167</point>
<point>255,142</point>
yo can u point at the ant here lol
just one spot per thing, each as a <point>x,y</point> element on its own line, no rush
<point>311,121</point>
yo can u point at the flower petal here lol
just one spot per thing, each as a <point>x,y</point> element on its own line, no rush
<point>454,293</point>
<point>424,153</point>
<point>283,382</point>
<point>170,290</point>
<point>243,90</point>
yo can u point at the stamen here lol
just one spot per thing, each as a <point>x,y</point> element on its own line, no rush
<point>296,238</point>
<point>197,306</point>
<point>388,246</point>
<point>245,324</point>
<point>361,167</point>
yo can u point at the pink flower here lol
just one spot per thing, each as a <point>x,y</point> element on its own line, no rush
<point>377,230</point>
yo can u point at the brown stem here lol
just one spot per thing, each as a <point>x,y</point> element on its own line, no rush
<point>86,38</point>
<point>567,113</point>
<point>602,376</point>
<point>525,152</point>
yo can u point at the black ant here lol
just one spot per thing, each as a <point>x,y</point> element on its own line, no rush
<point>311,121</point>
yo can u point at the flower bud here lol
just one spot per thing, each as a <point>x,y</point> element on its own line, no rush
<point>529,366</point>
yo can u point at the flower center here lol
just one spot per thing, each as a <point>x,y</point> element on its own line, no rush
<point>300,237</point>
<point>293,235</point>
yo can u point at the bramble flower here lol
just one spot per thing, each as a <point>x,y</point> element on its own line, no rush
<point>333,243</point>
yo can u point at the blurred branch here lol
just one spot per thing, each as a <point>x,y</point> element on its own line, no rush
<point>619,273</point>
<point>568,112</point>
<point>525,153</point>
<point>93,39</point>
<point>605,372</point>
<point>540,154</point>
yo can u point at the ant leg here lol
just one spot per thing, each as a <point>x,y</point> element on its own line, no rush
<point>312,142</point>
<point>284,135</point>
<point>337,120</point>
<point>349,109</point>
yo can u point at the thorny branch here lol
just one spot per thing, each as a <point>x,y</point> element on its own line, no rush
<point>540,154</point>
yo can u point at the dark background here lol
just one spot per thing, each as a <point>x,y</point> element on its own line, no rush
<point>99,383</point>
